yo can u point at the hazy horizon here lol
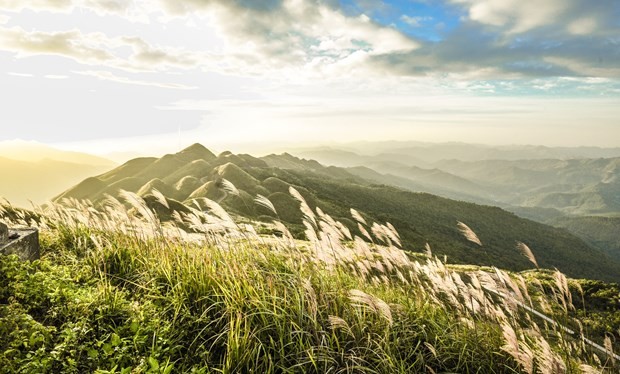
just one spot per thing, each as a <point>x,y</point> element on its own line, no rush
<point>25,149</point>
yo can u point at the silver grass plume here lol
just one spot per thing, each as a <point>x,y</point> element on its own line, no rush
<point>527,252</point>
<point>377,305</point>
<point>160,198</point>
<point>427,250</point>
<point>468,233</point>
<point>305,208</point>
<point>358,217</point>
<point>137,203</point>
<point>265,203</point>
<point>229,187</point>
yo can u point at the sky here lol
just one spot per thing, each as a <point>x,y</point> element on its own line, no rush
<point>144,76</point>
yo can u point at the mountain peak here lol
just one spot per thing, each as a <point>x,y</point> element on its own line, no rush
<point>197,151</point>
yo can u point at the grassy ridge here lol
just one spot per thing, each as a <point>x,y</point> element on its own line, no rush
<point>420,218</point>
<point>117,291</point>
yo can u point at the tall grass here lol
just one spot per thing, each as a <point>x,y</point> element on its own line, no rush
<point>207,294</point>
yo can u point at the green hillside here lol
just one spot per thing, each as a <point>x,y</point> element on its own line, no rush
<point>599,232</point>
<point>419,183</point>
<point>419,217</point>
<point>118,292</point>
<point>422,218</point>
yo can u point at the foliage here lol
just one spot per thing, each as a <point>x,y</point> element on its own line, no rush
<point>118,291</point>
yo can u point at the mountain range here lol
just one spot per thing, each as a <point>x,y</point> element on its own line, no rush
<point>419,217</point>
<point>580,186</point>
<point>423,154</point>
<point>564,187</point>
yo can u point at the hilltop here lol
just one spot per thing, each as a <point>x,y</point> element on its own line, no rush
<point>421,218</point>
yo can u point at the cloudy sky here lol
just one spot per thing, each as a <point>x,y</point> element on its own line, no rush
<point>118,75</point>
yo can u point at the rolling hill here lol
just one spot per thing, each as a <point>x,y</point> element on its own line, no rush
<point>576,186</point>
<point>419,217</point>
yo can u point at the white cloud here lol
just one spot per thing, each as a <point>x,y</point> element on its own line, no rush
<point>53,76</point>
<point>99,49</point>
<point>24,75</point>
<point>71,44</point>
<point>306,41</point>
<point>583,26</point>
<point>579,17</point>
<point>106,75</point>
<point>518,15</point>
<point>304,35</point>
<point>19,5</point>
<point>103,6</point>
<point>415,21</point>
<point>294,39</point>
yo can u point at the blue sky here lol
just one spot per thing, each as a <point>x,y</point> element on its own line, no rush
<point>106,76</point>
<point>426,20</point>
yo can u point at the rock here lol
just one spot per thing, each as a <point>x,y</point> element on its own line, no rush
<point>4,233</point>
<point>22,242</point>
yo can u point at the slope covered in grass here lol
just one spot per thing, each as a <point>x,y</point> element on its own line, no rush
<point>424,218</point>
<point>117,291</point>
<point>420,218</point>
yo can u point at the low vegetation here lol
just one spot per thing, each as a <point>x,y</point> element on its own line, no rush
<point>118,291</point>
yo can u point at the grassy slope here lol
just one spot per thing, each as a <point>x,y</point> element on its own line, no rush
<point>127,295</point>
<point>420,218</point>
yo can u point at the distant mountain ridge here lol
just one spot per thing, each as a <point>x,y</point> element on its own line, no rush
<point>576,186</point>
<point>35,172</point>
<point>196,172</point>
<point>31,151</point>
<point>423,152</point>
<point>579,186</point>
